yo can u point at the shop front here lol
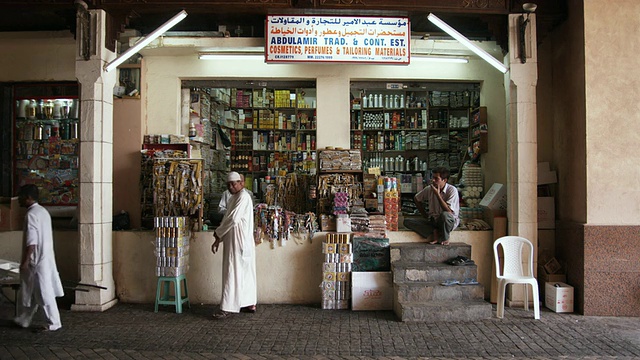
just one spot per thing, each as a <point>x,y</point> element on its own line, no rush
<point>332,89</point>
<point>291,271</point>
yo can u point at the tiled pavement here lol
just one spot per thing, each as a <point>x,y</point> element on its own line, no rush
<point>307,332</point>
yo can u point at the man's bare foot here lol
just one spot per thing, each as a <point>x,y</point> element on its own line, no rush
<point>446,242</point>
<point>435,238</point>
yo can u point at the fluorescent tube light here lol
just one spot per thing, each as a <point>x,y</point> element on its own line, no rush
<point>435,58</point>
<point>229,55</point>
<point>145,41</point>
<point>464,41</point>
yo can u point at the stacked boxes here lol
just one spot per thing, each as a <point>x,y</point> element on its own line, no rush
<point>172,245</point>
<point>391,203</point>
<point>336,271</point>
<point>371,254</point>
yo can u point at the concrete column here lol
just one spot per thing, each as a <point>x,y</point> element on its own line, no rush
<point>96,166</point>
<point>522,161</point>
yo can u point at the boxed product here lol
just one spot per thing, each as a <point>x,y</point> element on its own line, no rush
<point>544,277</point>
<point>327,222</point>
<point>343,223</point>
<point>559,297</point>
<point>371,291</point>
<point>495,198</point>
<point>371,254</point>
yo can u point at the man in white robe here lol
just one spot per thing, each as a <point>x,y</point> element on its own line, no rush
<point>39,279</point>
<point>239,287</point>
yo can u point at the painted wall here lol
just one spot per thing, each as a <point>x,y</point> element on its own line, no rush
<point>567,56</point>
<point>37,56</point>
<point>65,246</point>
<point>127,142</point>
<point>612,79</point>
<point>289,274</point>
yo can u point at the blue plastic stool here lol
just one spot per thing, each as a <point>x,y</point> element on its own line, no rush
<point>167,299</point>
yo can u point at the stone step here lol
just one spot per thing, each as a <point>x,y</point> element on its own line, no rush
<point>431,272</point>
<point>427,252</point>
<point>433,291</point>
<point>443,310</point>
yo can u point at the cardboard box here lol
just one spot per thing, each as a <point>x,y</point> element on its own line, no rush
<point>545,175</point>
<point>371,203</point>
<point>545,277</point>
<point>546,213</point>
<point>11,216</point>
<point>552,266</point>
<point>343,223</point>
<point>371,291</point>
<point>495,198</point>
<point>546,245</point>
<point>371,254</point>
<point>327,222</point>
<point>559,297</point>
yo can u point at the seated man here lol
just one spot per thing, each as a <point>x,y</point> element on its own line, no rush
<point>444,207</point>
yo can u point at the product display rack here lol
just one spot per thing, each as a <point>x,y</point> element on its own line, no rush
<point>409,129</point>
<point>46,141</point>
<point>414,128</point>
<point>479,132</point>
<point>271,127</point>
<point>339,171</point>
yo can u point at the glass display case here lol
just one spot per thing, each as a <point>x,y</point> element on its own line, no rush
<point>46,141</point>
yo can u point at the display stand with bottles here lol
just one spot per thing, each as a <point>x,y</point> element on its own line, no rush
<point>47,144</point>
<point>271,128</point>
<point>407,130</point>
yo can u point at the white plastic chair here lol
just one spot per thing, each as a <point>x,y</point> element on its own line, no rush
<point>513,272</point>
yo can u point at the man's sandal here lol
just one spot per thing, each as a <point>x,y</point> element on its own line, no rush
<point>248,309</point>
<point>219,315</point>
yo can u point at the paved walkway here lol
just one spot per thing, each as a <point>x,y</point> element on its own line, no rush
<point>307,332</point>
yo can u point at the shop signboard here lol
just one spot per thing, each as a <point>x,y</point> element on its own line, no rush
<point>309,38</point>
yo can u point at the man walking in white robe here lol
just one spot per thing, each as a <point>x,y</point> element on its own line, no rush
<point>239,288</point>
<point>39,279</point>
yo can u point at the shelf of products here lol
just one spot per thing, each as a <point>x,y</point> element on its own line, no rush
<point>479,131</point>
<point>266,129</point>
<point>47,146</point>
<point>340,182</point>
<point>272,131</point>
<point>412,128</point>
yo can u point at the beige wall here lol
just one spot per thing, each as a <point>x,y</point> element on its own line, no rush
<point>612,73</point>
<point>563,54</point>
<point>127,141</point>
<point>65,247</point>
<point>289,274</point>
<point>37,56</point>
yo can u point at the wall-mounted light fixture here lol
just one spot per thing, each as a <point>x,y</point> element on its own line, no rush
<point>145,41</point>
<point>229,56</point>
<point>467,43</point>
<point>439,58</point>
<point>228,53</point>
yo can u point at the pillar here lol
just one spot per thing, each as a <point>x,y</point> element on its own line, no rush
<point>96,167</point>
<point>522,160</point>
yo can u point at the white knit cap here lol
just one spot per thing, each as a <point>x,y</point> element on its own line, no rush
<point>233,176</point>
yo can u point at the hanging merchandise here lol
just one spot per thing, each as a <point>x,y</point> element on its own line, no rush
<point>293,192</point>
<point>273,224</point>
<point>177,188</point>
